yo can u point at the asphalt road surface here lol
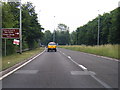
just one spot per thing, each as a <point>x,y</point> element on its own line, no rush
<point>65,69</point>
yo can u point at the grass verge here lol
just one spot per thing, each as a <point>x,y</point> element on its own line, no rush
<point>103,50</point>
<point>11,60</point>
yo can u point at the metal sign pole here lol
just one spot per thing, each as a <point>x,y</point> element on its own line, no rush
<point>20,29</point>
<point>5,46</point>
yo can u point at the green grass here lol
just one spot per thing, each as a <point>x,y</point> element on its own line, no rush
<point>11,60</point>
<point>103,50</point>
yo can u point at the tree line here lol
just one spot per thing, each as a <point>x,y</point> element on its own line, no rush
<point>61,35</point>
<point>109,30</point>
<point>87,34</point>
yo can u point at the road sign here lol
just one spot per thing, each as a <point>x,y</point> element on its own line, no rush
<point>17,42</point>
<point>10,33</point>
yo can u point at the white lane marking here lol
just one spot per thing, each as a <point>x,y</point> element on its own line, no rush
<point>73,60</point>
<point>20,66</point>
<point>83,73</point>
<point>64,53</point>
<point>113,59</point>
<point>83,67</point>
<point>69,57</point>
<point>26,72</point>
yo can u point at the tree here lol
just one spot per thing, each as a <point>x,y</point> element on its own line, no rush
<point>7,16</point>
<point>62,27</point>
<point>31,27</point>
<point>62,35</point>
<point>114,32</point>
<point>105,28</point>
<point>73,38</point>
<point>47,37</point>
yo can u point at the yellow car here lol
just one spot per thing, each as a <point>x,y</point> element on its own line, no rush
<point>52,46</point>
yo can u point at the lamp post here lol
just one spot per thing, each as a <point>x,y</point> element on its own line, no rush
<point>39,41</point>
<point>20,29</point>
<point>119,4</point>
<point>54,31</point>
<point>98,37</point>
<point>0,43</point>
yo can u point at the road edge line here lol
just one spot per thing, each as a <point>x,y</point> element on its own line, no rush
<point>17,68</point>
<point>105,57</point>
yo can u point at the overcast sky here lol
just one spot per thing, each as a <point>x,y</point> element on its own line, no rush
<point>73,13</point>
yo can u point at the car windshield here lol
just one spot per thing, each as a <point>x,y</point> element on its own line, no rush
<point>51,44</point>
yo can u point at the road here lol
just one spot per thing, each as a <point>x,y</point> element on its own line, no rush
<point>65,69</point>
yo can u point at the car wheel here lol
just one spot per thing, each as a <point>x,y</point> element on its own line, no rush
<point>55,50</point>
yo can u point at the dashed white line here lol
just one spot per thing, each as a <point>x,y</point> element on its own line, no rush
<point>92,75</point>
<point>64,53</point>
<point>83,67</point>
<point>69,57</point>
<point>73,60</point>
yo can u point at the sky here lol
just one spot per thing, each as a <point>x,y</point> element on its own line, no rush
<point>73,13</point>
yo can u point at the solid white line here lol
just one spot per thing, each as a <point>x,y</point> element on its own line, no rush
<point>113,59</point>
<point>20,66</point>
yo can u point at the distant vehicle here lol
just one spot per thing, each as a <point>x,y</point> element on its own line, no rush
<point>52,46</point>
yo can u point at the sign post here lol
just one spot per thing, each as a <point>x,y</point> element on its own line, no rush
<point>5,46</point>
<point>20,29</point>
<point>10,33</point>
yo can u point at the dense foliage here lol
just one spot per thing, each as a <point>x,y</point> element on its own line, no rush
<point>31,29</point>
<point>61,35</point>
<point>109,30</point>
